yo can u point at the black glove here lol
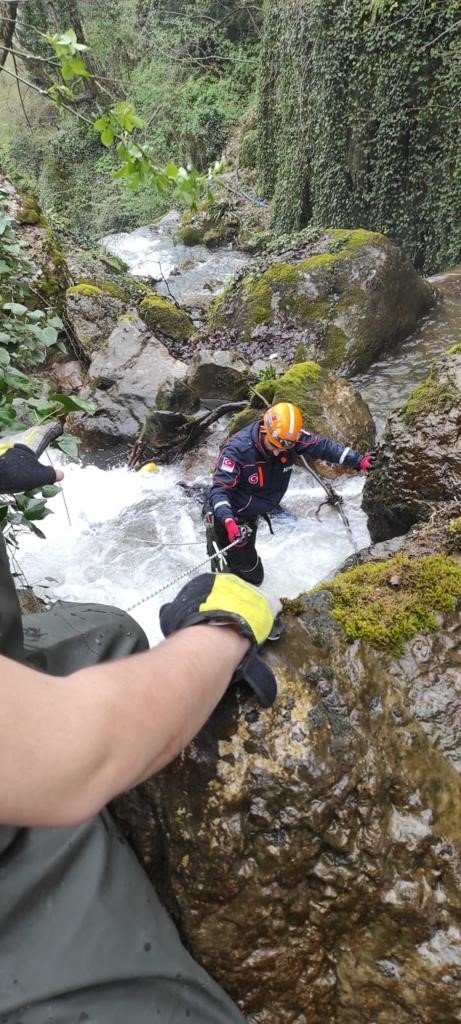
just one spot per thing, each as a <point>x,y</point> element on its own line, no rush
<point>225,599</point>
<point>20,469</point>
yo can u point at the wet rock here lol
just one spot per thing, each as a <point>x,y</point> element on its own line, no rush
<point>220,375</point>
<point>331,406</point>
<point>311,852</point>
<point>127,373</point>
<point>344,297</point>
<point>419,463</point>
<point>93,311</point>
<point>67,376</point>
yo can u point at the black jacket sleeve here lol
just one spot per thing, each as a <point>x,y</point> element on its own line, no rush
<point>315,447</point>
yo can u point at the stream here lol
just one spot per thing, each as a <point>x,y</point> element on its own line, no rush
<point>132,540</point>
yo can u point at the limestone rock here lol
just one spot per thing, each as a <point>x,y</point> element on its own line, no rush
<point>311,852</point>
<point>127,373</point>
<point>419,462</point>
<point>331,406</point>
<point>220,375</point>
<point>345,298</point>
<point>93,311</point>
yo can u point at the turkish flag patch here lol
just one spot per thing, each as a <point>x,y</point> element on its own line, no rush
<point>227,464</point>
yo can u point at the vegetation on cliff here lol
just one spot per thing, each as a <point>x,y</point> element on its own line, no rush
<point>359,120</point>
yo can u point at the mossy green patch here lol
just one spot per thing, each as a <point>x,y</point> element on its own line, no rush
<point>190,235</point>
<point>280,288</point>
<point>387,603</point>
<point>454,350</point>
<point>29,211</point>
<point>432,395</point>
<point>97,290</point>
<point>335,348</point>
<point>242,419</point>
<point>455,525</point>
<point>162,315</point>
<point>301,385</point>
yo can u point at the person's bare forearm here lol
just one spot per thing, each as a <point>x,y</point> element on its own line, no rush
<point>71,744</point>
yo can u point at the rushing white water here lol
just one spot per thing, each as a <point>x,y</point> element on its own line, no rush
<point>131,535</point>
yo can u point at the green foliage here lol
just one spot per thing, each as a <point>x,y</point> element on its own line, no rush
<point>27,336</point>
<point>177,81</point>
<point>360,121</point>
<point>387,603</point>
<point>268,373</point>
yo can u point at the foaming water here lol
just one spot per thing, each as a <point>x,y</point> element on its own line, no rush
<point>133,536</point>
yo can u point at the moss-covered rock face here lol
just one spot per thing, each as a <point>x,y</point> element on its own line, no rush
<point>389,603</point>
<point>419,462</point>
<point>92,310</point>
<point>347,296</point>
<point>336,814</point>
<point>330,406</point>
<point>51,276</point>
<point>161,315</point>
<point>97,290</point>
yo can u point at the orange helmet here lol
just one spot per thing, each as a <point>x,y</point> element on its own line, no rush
<point>283,424</point>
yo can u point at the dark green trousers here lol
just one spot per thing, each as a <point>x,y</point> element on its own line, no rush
<point>83,936</point>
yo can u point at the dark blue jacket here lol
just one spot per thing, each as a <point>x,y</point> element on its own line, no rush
<point>248,481</point>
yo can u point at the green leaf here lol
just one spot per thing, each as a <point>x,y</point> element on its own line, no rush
<point>15,307</point>
<point>35,314</point>
<point>171,171</point>
<point>70,403</point>
<point>73,67</point>
<point>4,357</point>
<point>68,444</point>
<point>107,137</point>
<point>50,490</point>
<point>47,335</point>
<point>38,533</point>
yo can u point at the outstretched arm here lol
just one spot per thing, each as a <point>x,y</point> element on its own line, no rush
<point>68,745</point>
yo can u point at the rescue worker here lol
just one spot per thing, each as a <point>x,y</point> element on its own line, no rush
<point>252,473</point>
<point>84,936</point>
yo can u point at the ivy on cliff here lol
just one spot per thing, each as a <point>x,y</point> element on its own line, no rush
<point>360,120</point>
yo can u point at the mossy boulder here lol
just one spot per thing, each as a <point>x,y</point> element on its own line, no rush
<point>330,406</point>
<point>419,463</point>
<point>162,316</point>
<point>92,310</point>
<point>347,296</point>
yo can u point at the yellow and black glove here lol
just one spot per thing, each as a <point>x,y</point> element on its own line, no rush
<point>223,599</point>
<point>20,469</point>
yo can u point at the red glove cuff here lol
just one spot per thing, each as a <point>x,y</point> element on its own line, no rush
<point>232,529</point>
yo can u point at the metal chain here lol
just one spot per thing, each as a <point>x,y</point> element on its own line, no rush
<point>243,531</point>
